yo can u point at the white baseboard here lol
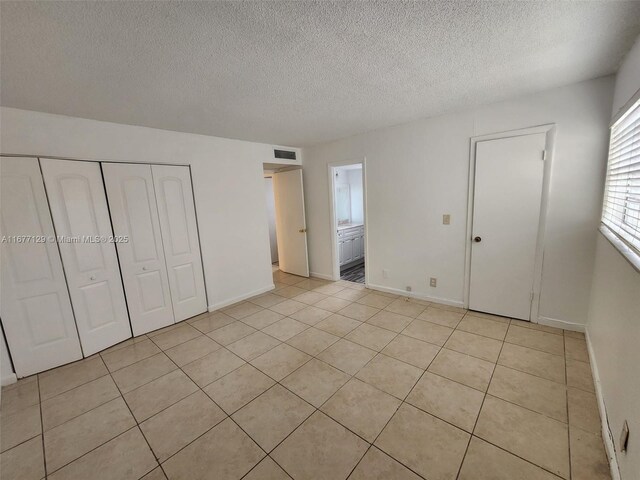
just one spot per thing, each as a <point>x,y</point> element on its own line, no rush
<point>231,301</point>
<point>321,276</point>
<point>9,379</point>
<point>554,322</point>
<point>606,432</point>
<point>419,296</point>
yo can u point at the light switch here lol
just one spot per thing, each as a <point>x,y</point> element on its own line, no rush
<point>446,219</point>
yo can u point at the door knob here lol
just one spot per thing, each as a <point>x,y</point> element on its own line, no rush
<point>477,239</point>
<point>302,230</point>
<point>144,268</point>
<point>92,278</point>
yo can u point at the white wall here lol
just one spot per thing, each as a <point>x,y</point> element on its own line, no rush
<point>227,181</point>
<point>614,316</point>
<point>271,218</point>
<point>6,370</point>
<point>354,178</point>
<point>418,171</point>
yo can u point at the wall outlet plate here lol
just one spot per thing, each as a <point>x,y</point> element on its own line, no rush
<point>624,437</point>
<point>446,219</point>
<point>433,282</point>
<point>385,273</point>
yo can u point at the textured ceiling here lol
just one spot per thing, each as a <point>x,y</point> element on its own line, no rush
<point>298,73</point>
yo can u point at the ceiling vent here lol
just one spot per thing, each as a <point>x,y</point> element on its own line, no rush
<point>284,154</point>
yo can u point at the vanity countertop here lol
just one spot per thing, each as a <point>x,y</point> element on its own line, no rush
<point>349,225</point>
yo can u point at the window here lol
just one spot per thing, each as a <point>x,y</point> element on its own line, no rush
<point>621,209</point>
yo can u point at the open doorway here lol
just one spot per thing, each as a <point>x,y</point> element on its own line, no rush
<point>348,221</point>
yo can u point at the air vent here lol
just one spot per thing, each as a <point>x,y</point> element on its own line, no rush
<point>284,154</point>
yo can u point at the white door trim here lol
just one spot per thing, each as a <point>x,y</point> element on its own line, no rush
<point>335,261</point>
<point>550,131</point>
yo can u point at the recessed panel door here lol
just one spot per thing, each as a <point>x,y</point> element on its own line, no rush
<point>506,217</point>
<point>177,214</point>
<point>35,309</point>
<point>134,213</point>
<point>81,218</point>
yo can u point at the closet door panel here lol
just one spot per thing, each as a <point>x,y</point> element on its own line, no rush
<point>79,209</point>
<point>134,213</point>
<point>35,309</point>
<point>180,238</point>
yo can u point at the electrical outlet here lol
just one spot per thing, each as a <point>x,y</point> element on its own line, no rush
<point>385,273</point>
<point>433,282</point>
<point>408,289</point>
<point>446,219</point>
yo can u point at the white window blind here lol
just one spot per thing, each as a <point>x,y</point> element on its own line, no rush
<point>621,209</point>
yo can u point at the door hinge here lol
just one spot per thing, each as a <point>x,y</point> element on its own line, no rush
<point>544,155</point>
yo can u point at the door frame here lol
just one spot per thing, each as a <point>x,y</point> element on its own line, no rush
<point>335,260</point>
<point>550,131</point>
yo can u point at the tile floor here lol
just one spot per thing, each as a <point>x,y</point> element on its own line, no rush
<point>315,380</point>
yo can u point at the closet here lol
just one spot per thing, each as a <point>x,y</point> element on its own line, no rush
<point>93,253</point>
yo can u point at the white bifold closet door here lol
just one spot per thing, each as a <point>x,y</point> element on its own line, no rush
<point>80,213</point>
<point>35,309</point>
<point>180,238</point>
<point>132,202</point>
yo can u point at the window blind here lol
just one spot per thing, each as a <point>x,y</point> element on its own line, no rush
<point>621,209</point>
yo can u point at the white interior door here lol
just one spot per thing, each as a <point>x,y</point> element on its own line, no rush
<point>180,238</point>
<point>506,217</point>
<point>79,209</point>
<point>291,223</point>
<point>35,309</point>
<point>134,214</point>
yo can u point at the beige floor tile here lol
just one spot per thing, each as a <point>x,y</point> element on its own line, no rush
<point>411,350</point>
<point>583,410</point>
<point>338,325</point>
<point>267,469</point>
<point>361,408</point>
<point>176,336</point>
<point>272,416</point>
<point>427,445</point>
<point>311,283</point>
<point>267,300</point>
<point>263,318</point>
<point>535,393</point>
<point>136,375</point>
<point>315,381</point>
<point>155,474</point>
<point>133,454</point>
<point>451,308</point>
<point>212,322</point>
<point>535,362</point>
<point>211,367</point>
<point>407,308</point>
<point>535,326</point>
<point>359,312</point>
<point>370,336</point>
<point>390,321</point>
<point>125,343</point>
<point>280,361</point>
<point>448,400</point>
<point>538,340</point>
<point>428,332</point>
<point>441,317</point>
<point>462,368</point>
<point>320,449</point>
<point>588,458</point>
<point>22,395</point>
<point>180,424</point>
<point>72,439</point>
<point>253,345</point>
<point>126,356</point>
<point>286,328</point>
<point>235,390</point>
<point>72,403</point>
<point>377,465</point>
<point>375,300</point>
<point>569,333</point>
<point>70,376</point>
<point>579,375</point>
<point>19,427</point>
<point>347,356</point>
<point>484,461</point>
<point>231,333</point>
<point>241,310</point>
<point>529,435</point>
<point>310,315</point>
<point>288,307</point>
<point>390,375</point>
<point>313,341</point>
<point>309,298</point>
<point>223,453</point>
<point>158,394</point>
<point>481,347</point>
<point>24,462</point>
<point>291,291</point>
<point>576,348</point>
<point>329,289</point>
<point>332,304</point>
<point>350,294</point>
<point>484,326</point>
<point>489,316</point>
<point>192,350</point>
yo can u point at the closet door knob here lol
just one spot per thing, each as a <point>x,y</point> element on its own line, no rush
<point>477,239</point>
<point>144,268</point>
